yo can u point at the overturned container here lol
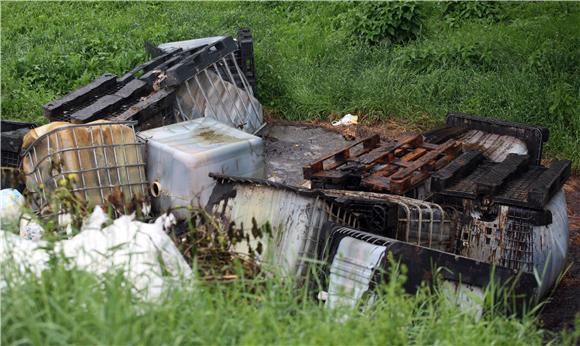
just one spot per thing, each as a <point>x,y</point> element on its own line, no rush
<point>296,217</point>
<point>181,156</point>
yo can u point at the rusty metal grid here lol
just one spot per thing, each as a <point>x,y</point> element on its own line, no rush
<point>112,172</point>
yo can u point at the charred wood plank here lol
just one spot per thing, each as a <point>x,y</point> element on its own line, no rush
<point>493,180</point>
<point>339,157</point>
<point>387,151</point>
<point>152,75</point>
<point>551,180</point>
<point>100,109</point>
<point>134,89</point>
<point>150,111</point>
<point>147,66</point>
<point>55,110</point>
<point>457,169</point>
<point>443,134</point>
<point>111,104</point>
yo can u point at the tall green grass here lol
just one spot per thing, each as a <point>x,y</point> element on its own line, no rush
<point>523,67</point>
<point>65,307</point>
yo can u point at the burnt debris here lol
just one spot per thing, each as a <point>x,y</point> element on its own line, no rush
<point>147,93</point>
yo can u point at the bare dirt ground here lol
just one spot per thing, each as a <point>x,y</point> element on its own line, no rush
<point>292,145</point>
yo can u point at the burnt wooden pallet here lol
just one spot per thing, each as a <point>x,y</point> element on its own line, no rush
<point>515,181</point>
<point>153,111</point>
<point>396,166</point>
<point>57,110</point>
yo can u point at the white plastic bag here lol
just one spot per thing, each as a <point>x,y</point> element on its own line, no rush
<point>143,252</point>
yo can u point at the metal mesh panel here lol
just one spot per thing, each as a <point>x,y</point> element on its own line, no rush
<point>102,159</point>
<point>422,223</point>
<point>9,159</point>
<point>505,238</point>
<point>518,245</point>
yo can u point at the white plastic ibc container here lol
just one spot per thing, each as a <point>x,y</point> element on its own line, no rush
<point>181,156</point>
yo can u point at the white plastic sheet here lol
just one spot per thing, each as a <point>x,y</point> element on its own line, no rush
<point>143,252</point>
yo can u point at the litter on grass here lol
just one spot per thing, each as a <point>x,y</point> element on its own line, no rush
<point>143,252</point>
<point>183,131</point>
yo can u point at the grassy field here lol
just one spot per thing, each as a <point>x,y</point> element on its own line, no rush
<point>515,61</point>
<point>69,307</point>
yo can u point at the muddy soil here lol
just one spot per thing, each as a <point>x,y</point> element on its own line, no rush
<point>290,146</point>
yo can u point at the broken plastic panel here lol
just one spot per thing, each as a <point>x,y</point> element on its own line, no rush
<point>102,160</point>
<point>357,261</point>
<point>206,87</point>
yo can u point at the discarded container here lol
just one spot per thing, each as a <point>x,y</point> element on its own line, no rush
<point>358,261</point>
<point>103,162</point>
<point>518,237</point>
<point>181,156</point>
<point>296,216</point>
<point>514,212</point>
<point>484,175</point>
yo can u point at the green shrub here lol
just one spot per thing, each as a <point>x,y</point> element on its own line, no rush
<point>457,54</point>
<point>375,23</point>
<point>456,12</point>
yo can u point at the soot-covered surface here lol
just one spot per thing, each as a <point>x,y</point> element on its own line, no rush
<point>291,146</point>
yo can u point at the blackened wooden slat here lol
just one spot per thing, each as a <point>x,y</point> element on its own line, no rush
<point>457,169</point>
<point>54,110</point>
<point>491,182</point>
<point>103,107</point>
<point>133,89</point>
<point>549,183</point>
<point>147,111</point>
<point>152,75</point>
<point>111,104</point>
<point>147,66</point>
